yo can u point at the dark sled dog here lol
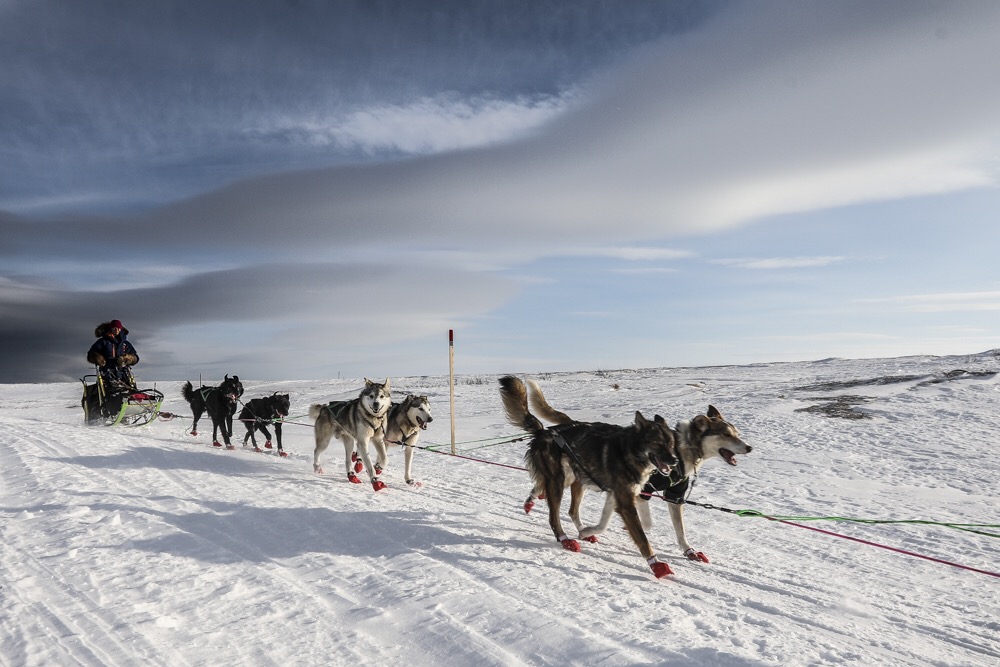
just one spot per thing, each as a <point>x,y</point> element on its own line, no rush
<point>614,459</point>
<point>403,425</point>
<point>258,413</point>
<point>358,422</point>
<point>698,440</point>
<point>220,403</point>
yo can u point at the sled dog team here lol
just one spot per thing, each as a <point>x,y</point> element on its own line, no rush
<point>630,464</point>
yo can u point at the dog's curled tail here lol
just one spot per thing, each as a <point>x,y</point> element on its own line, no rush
<point>315,409</point>
<point>187,391</point>
<point>515,405</point>
<point>542,407</point>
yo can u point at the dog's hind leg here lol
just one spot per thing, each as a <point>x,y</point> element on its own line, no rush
<point>553,492</point>
<point>537,491</point>
<point>677,518</point>
<point>322,442</point>
<point>626,508</point>
<point>250,436</point>
<point>577,491</point>
<point>602,525</point>
<point>197,415</point>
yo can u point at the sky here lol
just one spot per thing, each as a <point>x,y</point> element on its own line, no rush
<point>315,190</point>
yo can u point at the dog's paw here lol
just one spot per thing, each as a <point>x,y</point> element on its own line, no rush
<point>282,453</point>
<point>378,469</point>
<point>528,505</point>
<point>267,445</point>
<point>216,443</point>
<point>414,483</point>
<point>590,538</point>
<point>352,478</point>
<point>696,556</point>
<point>318,469</point>
<point>659,568</point>
<point>378,484</point>
<point>569,544</point>
<point>194,432</point>
<point>358,465</point>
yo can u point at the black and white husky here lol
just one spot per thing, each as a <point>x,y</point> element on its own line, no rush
<point>698,440</point>
<point>403,425</point>
<point>359,423</point>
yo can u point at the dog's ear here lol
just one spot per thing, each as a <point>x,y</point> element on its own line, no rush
<point>713,413</point>
<point>700,423</point>
<point>386,385</point>
<point>659,420</point>
<point>640,421</point>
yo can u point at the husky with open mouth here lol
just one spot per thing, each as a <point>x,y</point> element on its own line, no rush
<point>698,440</point>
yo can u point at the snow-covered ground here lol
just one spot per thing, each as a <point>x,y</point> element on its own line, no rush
<point>146,546</point>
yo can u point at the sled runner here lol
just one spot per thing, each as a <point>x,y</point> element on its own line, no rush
<point>111,403</point>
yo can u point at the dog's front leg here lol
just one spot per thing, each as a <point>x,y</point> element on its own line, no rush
<point>380,449</point>
<point>677,518</point>
<point>377,484</point>
<point>589,533</point>
<point>408,464</point>
<point>349,458</point>
<point>277,438</point>
<point>626,507</point>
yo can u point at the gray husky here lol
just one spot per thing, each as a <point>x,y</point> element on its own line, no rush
<point>614,459</point>
<point>356,423</point>
<point>698,440</point>
<point>403,425</point>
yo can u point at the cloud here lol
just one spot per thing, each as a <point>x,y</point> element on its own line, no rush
<point>779,262</point>
<point>291,320</point>
<point>446,122</point>
<point>943,302</point>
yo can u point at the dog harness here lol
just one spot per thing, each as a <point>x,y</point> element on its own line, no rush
<point>338,409</point>
<point>674,487</point>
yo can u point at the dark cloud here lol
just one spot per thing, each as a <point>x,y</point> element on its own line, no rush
<point>134,104</point>
<point>280,320</point>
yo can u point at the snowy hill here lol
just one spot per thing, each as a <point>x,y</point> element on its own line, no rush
<point>146,546</point>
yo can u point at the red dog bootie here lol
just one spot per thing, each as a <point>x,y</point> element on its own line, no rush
<point>659,568</point>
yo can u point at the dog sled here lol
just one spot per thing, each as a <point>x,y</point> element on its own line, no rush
<point>110,403</point>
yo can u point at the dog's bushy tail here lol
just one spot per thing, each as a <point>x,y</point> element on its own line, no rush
<point>515,405</point>
<point>188,391</point>
<point>541,406</point>
<point>315,409</point>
